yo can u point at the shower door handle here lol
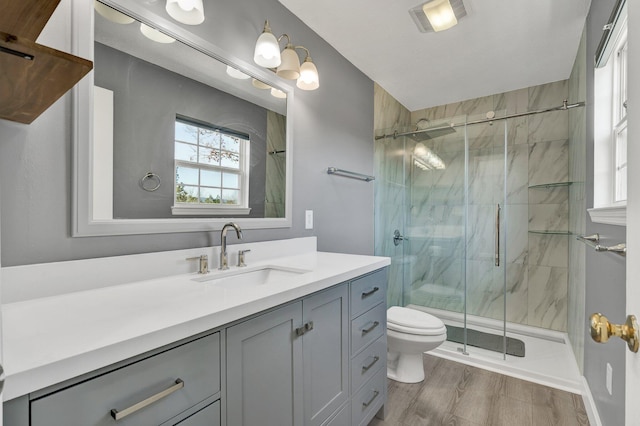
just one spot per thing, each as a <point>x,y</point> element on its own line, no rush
<point>497,235</point>
<point>397,238</point>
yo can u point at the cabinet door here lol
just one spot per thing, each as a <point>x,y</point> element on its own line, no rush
<point>326,353</point>
<point>264,369</point>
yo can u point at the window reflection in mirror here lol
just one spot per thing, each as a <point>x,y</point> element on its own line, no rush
<point>156,87</point>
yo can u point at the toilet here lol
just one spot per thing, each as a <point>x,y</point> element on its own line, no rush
<point>410,333</point>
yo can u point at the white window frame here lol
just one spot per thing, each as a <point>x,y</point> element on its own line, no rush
<point>242,208</point>
<point>610,121</point>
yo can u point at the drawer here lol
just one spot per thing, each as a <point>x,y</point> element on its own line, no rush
<point>90,403</point>
<point>368,291</point>
<point>366,403</point>
<point>208,416</point>
<point>366,363</point>
<point>368,327</point>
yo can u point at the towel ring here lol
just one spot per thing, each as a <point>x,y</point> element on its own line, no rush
<point>148,180</point>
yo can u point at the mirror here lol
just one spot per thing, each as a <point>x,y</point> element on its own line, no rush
<point>181,137</point>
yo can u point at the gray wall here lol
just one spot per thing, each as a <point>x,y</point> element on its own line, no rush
<point>605,273</point>
<point>333,127</point>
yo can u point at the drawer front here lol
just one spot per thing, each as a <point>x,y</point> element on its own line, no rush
<point>90,403</point>
<point>208,416</point>
<point>368,291</point>
<point>368,362</point>
<point>366,403</point>
<point>368,327</point>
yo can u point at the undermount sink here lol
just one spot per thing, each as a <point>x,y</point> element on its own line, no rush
<point>254,277</point>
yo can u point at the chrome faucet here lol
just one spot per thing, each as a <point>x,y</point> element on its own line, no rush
<point>224,264</point>
<point>203,265</point>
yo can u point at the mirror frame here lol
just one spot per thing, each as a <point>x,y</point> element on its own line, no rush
<point>83,223</point>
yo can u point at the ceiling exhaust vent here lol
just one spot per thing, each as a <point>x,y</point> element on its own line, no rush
<point>423,24</point>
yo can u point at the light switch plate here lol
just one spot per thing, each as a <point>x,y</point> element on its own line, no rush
<point>308,219</point>
<point>609,379</point>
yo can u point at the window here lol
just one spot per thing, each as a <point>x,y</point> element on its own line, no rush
<point>610,124</point>
<point>212,169</point>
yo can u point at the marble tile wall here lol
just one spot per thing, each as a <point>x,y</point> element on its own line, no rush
<point>276,167</point>
<point>577,205</point>
<point>390,187</point>
<point>536,266</point>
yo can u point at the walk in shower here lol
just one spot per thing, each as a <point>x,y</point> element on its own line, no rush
<point>473,211</point>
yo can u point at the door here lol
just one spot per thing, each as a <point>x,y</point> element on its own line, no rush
<point>325,353</point>
<point>633,214</point>
<point>264,369</point>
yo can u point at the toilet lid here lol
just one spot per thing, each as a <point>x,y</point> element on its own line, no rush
<point>412,321</point>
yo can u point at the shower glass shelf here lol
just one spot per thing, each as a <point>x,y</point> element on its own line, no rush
<point>550,185</point>
<point>544,232</point>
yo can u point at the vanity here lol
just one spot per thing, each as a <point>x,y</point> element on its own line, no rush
<point>302,342</point>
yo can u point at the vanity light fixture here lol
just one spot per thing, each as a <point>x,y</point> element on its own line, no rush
<point>235,73</point>
<point>112,14</point>
<point>155,35</point>
<point>286,63</point>
<point>190,12</point>
<point>277,93</point>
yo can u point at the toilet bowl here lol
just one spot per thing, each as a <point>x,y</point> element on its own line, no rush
<point>410,333</point>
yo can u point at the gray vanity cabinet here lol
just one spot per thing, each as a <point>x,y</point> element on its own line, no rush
<point>290,366</point>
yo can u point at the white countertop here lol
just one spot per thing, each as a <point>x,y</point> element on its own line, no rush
<point>51,339</point>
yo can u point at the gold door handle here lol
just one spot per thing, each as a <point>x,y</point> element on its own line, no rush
<point>602,329</point>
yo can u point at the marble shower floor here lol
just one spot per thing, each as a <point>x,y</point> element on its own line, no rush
<point>457,394</point>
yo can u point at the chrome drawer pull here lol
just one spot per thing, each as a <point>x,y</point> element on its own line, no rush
<point>370,292</point>
<point>118,415</point>
<point>367,367</point>
<point>368,403</point>
<point>302,330</point>
<point>368,330</point>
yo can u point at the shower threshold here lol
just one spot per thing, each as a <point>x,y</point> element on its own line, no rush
<point>483,340</point>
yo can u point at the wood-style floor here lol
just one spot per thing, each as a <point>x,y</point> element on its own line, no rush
<point>455,394</point>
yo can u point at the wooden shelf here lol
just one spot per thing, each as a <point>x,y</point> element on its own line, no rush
<point>25,18</point>
<point>29,86</point>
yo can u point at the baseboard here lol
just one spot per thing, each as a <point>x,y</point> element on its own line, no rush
<point>590,404</point>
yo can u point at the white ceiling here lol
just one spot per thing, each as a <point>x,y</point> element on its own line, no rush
<point>501,45</point>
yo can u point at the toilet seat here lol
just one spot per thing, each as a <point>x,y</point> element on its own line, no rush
<point>411,321</point>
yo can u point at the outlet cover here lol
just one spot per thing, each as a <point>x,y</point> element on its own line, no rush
<point>308,219</point>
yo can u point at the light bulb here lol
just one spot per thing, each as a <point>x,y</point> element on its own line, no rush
<point>187,5</point>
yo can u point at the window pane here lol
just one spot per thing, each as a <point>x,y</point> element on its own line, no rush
<point>186,132</point>
<point>230,180</point>
<point>187,175</point>
<point>209,138</point>
<point>230,143</point>
<point>186,152</point>
<point>186,194</point>
<point>230,196</point>
<point>209,156</point>
<point>210,178</point>
<point>621,165</point>
<point>230,159</point>
<point>210,195</point>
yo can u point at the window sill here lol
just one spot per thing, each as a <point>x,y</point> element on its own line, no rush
<point>615,215</point>
<point>199,210</point>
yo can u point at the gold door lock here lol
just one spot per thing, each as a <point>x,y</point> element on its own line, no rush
<point>602,329</point>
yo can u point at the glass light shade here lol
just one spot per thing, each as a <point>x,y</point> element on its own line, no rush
<point>440,14</point>
<point>112,14</point>
<point>309,78</point>
<point>260,85</point>
<point>232,72</point>
<point>290,66</point>
<point>155,35</point>
<point>278,93</point>
<point>267,53</point>
<point>190,12</point>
